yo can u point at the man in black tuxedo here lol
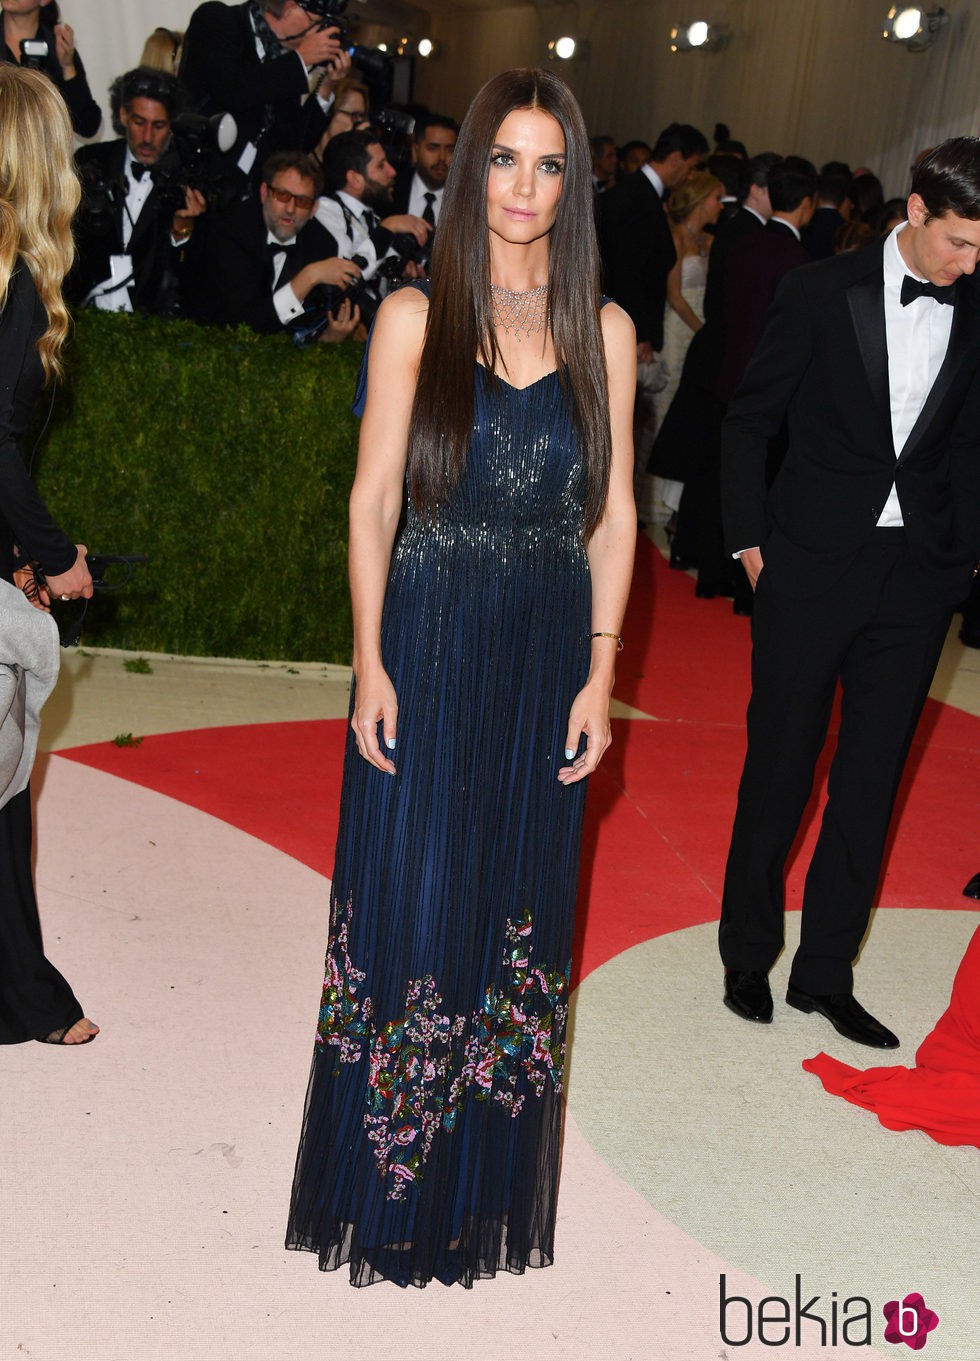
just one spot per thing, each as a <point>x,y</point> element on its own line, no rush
<point>254,60</point>
<point>637,255</point>
<point>418,187</point>
<point>262,258</point>
<point>758,262</point>
<point>858,553</point>
<point>131,234</point>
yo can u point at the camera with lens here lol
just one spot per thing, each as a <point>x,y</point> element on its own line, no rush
<point>196,159</point>
<point>371,60</point>
<point>323,301</point>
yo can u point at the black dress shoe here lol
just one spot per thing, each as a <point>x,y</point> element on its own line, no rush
<point>972,889</point>
<point>748,995</point>
<point>846,1014</point>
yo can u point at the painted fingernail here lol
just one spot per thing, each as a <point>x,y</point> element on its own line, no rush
<point>569,753</point>
<point>390,743</point>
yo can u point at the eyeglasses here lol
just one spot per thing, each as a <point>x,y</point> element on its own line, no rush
<point>352,114</point>
<point>283,196</point>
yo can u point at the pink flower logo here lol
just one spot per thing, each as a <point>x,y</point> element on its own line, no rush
<point>909,1321</point>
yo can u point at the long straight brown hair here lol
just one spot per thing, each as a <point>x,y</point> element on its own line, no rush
<point>459,327</point>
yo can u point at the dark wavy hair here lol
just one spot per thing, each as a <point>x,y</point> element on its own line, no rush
<point>144,82</point>
<point>948,179</point>
<point>459,327</point>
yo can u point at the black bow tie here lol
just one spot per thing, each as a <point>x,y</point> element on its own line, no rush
<point>273,248</point>
<point>912,289</point>
<point>137,170</point>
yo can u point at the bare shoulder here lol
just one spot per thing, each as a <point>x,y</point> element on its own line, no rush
<point>405,310</point>
<point>618,331</point>
<point>399,328</point>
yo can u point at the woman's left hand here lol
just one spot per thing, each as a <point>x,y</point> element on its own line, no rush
<point>64,43</point>
<point>589,715</point>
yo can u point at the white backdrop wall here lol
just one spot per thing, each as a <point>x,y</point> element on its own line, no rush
<point>807,76</point>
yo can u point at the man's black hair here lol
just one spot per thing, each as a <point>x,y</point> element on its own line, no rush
<point>347,151</point>
<point>681,137</point>
<point>143,82</point>
<point>635,145</point>
<point>790,181</point>
<point>756,171</point>
<point>948,179</point>
<point>833,187</point>
<point>731,146</point>
<point>837,168</point>
<point>434,120</point>
<point>728,169</point>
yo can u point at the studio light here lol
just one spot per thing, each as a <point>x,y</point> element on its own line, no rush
<point>427,48</point>
<point>699,36</point>
<point>562,48</point>
<point>914,28</point>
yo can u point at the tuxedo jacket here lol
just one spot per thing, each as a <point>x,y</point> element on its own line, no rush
<point>755,267</point>
<point>820,232</point>
<point>231,279</point>
<point>221,72</point>
<point>401,190</point>
<point>823,364</point>
<point>637,252</point>
<point>150,246</point>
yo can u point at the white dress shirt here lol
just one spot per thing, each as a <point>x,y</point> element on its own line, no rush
<point>655,180</point>
<point>917,337</point>
<point>284,300</point>
<point>416,198</point>
<point>344,220</point>
<point>137,192</point>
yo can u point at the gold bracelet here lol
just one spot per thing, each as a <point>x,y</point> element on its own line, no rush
<point>619,641</point>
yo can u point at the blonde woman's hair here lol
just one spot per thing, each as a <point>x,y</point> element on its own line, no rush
<point>39,192</point>
<point>162,50</point>
<point>686,197</point>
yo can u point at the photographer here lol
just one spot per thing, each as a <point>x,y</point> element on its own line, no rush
<point>358,180</point>
<point>54,54</point>
<point>254,60</point>
<point>130,231</point>
<point>262,259</point>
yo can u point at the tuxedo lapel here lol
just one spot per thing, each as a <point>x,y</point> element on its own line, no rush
<point>961,333</point>
<point>866,300</point>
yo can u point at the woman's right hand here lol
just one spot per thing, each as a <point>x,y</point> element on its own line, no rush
<point>375,702</point>
<point>75,583</point>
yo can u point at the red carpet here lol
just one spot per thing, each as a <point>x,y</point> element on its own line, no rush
<point>660,807</point>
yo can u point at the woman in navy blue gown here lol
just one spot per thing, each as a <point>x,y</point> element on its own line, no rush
<point>484,648</point>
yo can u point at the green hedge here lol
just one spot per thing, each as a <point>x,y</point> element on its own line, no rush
<point>227,458</point>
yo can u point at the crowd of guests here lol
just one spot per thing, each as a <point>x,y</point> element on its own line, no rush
<point>695,241</point>
<point>309,211</point>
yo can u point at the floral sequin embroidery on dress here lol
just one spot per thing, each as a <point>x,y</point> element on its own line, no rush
<point>425,1064</point>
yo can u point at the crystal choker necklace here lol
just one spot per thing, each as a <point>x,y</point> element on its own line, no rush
<point>520,313</point>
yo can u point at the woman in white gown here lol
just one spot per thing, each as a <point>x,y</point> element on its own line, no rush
<point>693,206</point>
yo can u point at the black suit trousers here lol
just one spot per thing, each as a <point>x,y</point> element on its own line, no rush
<point>878,631</point>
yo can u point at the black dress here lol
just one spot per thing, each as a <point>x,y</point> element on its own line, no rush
<point>430,1144</point>
<point>34,998</point>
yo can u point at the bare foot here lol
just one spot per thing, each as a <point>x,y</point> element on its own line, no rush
<point>79,1033</point>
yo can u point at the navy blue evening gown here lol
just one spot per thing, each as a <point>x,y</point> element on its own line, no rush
<point>430,1142</point>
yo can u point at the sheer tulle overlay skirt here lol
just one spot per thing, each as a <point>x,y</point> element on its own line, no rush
<point>431,1133</point>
